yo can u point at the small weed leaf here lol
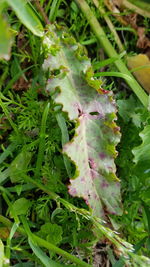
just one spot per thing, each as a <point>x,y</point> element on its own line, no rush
<point>92,149</point>
<point>52,233</point>
<point>142,152</point>
<point>21,206</point>
<point>19,165</point>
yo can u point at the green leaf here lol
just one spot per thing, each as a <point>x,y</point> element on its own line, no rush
<point>4,175</point>
<point>54,10</point>
<point>145,5</point>
<point>126,108</point>
<point>145,195</point>
<point>92,149</point>
<point>7,151</point>
<point>119,263</point>
<point>21,206</point>
<point>65,138</point>
<point>19,165</point>
<point>52,232</point>
<point>142,152</point>
<point>27,16</point>
<point>99,64</point>
<point>5,39</point>
<point>42,256</point>
<point>113,74</point>
<point>140,244</point>
<point>131,109</point>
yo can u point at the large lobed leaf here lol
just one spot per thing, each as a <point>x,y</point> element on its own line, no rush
<point>92,149</point>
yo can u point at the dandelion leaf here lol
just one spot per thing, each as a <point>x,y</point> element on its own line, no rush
<point>93,110</point>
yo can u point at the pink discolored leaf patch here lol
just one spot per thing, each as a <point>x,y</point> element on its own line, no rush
<point>93,147</point>
<point>96,182</point>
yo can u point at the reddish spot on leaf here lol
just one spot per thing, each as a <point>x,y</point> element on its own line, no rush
<point>21,84</point>
<point>93,174</point>
<point>102,155</point>
<point>86,201</point>
<point>82,179</point>
<point>104,184</point>
<point>116,129</point>
<point>92,113</point>
<point>72,191</point>
<point>92,163</point>
<point>102,91</point>
<point>105,91</point>
<point>113,213</point>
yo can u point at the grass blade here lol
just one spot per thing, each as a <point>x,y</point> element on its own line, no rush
<point>115,74</point>
<point>5,39</point>
<point>42,256</point>
<point>27,16</point>
<point>43,243</point>
<point>36,249</point>
<point>12,232</point>
<point>1,253</point>
<point>54,9</point>
<point>147,212</point>
<point>108,61</point>
<point>140,244</point>
<point>6,112</point>
<point>15,78</point>
<point>119,263</point>
<point>42,141</point>
<point>7,152</point>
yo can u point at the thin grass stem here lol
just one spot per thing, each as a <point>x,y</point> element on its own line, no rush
<point>110,25</point>
<point>41,150</point>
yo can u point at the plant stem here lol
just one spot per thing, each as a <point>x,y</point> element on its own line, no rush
<point>7,114</point>
<point>85,213</point>
<point>40,186</point>
<point>142,11</point>
<point>111,52</point>
<point>65,138</point>
<point>42,141</point>
<point>98,223</point>
<point>41,10</point>
<point>110,25</point>
<point>42,243</point>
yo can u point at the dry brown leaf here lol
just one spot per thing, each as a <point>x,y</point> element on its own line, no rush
<point>4,232</point>
<point>143,42</point>
<point>143,74</point>
<point>116,7</point>
<point>21,85</point>
<point>132,20</point>
<point>118,2</point>
<point>113,7</point>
